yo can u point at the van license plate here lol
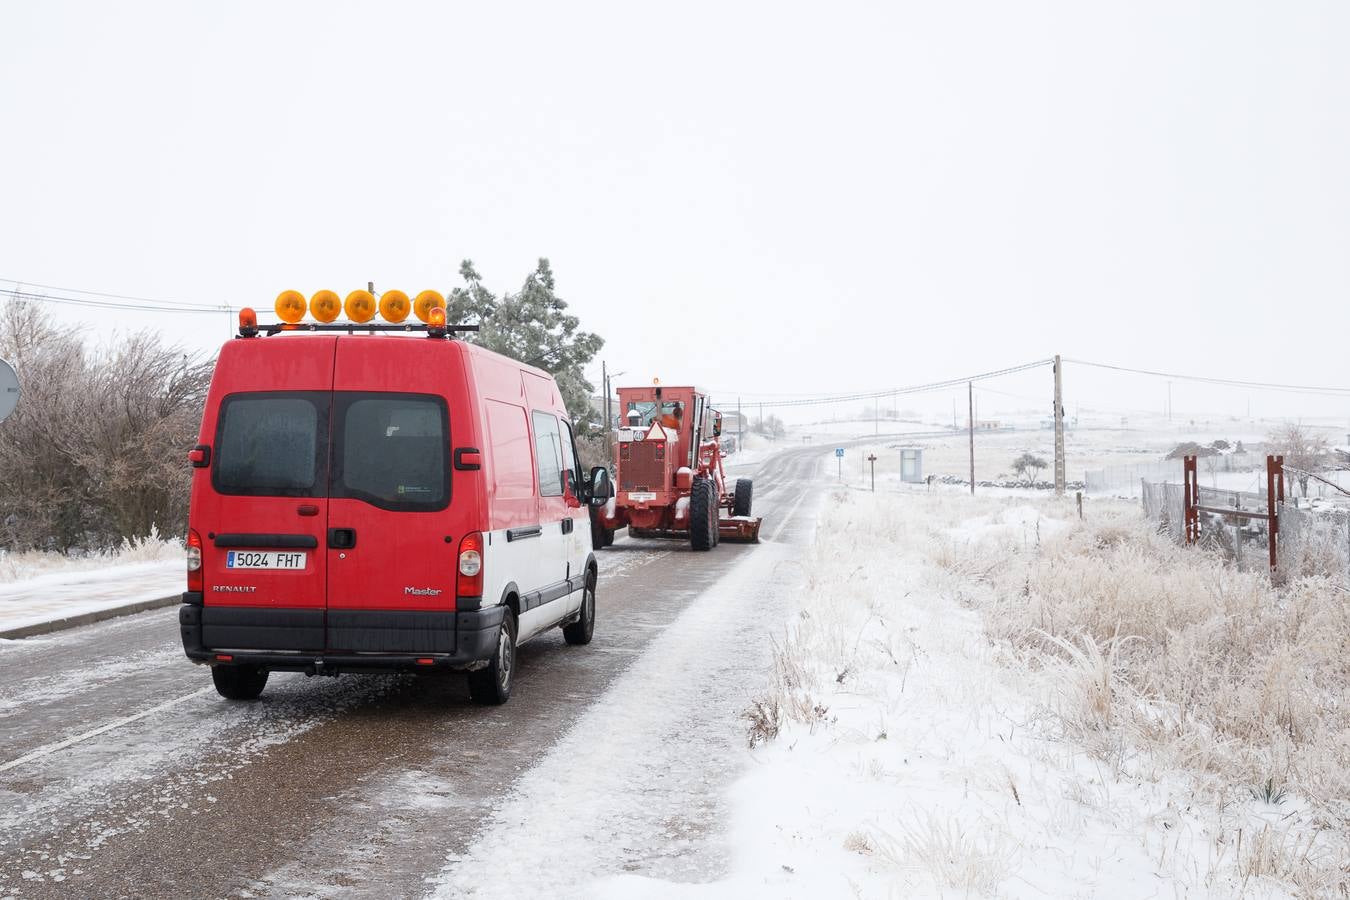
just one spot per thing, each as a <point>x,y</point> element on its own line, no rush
<point>265,559</point>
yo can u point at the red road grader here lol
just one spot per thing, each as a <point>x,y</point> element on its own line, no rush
<point>669,480</point>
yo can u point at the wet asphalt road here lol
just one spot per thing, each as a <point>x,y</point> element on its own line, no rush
<point>123,774</point>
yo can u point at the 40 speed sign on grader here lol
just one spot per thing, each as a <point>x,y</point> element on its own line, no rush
<point>669,476</point>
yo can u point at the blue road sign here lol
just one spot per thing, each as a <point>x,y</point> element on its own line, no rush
<point>838,451</point>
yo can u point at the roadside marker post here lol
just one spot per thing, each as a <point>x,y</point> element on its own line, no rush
<point>872,458</point>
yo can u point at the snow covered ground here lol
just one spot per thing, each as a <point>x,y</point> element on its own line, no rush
<point>45,587</point>
<point>902,750</point>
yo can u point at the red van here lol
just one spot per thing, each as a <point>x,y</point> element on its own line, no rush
<point>380,499</point>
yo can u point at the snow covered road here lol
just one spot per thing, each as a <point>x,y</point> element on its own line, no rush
<point>121,772</point>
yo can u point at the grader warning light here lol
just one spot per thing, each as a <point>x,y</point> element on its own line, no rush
<point>325,306</point>
<point>394,306</point>
<point>290,306</point>
<point>360,306</point>
<point>248,321</point>
<point>425,303</point>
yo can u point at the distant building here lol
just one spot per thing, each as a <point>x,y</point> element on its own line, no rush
<point>732,422</point>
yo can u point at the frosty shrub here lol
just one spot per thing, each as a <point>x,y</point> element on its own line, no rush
<point>95,452</point>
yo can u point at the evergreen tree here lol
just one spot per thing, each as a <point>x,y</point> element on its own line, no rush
<point>533,326</point>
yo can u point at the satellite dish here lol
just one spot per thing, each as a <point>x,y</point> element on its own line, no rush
<point>9,390</point>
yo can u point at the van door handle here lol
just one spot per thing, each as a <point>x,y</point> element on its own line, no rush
<point>567,526</point>
<point>342,538</point>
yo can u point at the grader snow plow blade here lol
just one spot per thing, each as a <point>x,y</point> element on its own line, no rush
<point>739,529</point>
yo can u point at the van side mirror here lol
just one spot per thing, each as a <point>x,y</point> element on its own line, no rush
<point>602,489</point>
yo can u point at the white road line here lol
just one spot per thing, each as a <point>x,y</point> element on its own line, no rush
<point>117,723</point>
<point>787,518</point>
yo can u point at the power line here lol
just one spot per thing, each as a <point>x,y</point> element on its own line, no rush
<point>911,389</point>
<point>19,285</point>
<point>1320,390</point>
<point>30,297</point>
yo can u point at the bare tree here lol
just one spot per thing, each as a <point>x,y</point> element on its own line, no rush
<point>1303,449</point>
<point>1028,466</point>
<point>95,451</point>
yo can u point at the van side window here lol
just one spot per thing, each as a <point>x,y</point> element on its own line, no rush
<point>548,454</point>
<point>272,444</point>
<point>570,455</point>
<point>391,450</point>
<point>512,475</point>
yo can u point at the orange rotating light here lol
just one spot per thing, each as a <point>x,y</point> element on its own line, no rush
<point>436,317</point>
<point>425,303</point>
<point>394,306</point>
<point>325,306</point>
<point>360,306</point>
<point>290,306</point>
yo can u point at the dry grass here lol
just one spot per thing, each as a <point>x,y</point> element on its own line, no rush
<point>33,563</point>
<point>1152,647</point>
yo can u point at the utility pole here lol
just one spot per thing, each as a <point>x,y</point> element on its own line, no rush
<point>1169,401</point>
<point>970,388</point>
<point>1059,426</point>
<point>740,427</point>
<point>604,401</point>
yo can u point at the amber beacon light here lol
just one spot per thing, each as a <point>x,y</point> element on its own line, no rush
<point>394,306</point>
<point>425,303</point>
<point>290,306</point>
<point>360,306</point>
<point>325,306</point>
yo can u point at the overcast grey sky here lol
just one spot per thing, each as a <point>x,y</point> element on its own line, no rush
<point>771,198</point>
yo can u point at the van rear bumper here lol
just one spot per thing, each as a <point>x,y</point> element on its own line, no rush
<point>313,640</point>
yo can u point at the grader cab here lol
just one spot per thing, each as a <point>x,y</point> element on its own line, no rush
<point>670,480</point>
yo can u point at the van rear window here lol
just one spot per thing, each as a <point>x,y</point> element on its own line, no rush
<point>391,450</point>
<point>272,444</point>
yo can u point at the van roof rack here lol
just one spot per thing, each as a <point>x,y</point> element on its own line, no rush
<point>432,331</point>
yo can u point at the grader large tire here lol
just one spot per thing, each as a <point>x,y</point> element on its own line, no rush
<point>702,515</point>
<point>740,505</point>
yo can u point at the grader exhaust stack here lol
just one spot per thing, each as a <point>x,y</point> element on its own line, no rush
<point>670,479</point>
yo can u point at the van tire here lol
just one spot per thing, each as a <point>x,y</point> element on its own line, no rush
<point>239,682</point>
<point>579,632</point>
<point>740,504</point>
<point>491,685</point>
<point>702,515</point>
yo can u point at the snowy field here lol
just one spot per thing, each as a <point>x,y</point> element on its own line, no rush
<point>987,697</point>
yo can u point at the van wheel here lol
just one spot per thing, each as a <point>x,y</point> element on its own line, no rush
<point>491,685</point>
<point>239,682</point>
<point>580,631</point>
<point>702,515</point>
<point>740,504</point>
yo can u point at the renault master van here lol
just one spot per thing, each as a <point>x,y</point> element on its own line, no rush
<point>379,498</point>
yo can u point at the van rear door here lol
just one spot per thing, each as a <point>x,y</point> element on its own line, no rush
<point>393,529</point>
<point>262,522</point>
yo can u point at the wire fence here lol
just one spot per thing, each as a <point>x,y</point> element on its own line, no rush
<point>1311,540</point>
<point>1124,481</point>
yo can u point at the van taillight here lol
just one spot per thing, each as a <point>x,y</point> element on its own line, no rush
<point>193,551</point>
<point>469,581</point>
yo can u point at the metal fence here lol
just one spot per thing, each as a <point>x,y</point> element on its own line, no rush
<point>1312,541</point>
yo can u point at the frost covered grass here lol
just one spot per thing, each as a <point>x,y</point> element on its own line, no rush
<point>985,696</point>
<point>33,563</point>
